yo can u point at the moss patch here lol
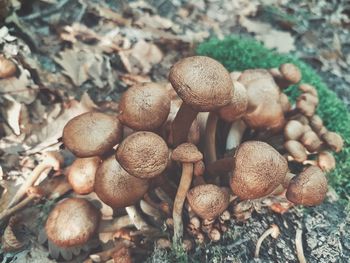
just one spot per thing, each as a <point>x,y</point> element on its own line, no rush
<point>238,54</point>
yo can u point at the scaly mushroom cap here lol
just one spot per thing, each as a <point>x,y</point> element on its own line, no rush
<point>144,107</point>
<point>81,174</point>
<point>309,188</point>
<point>143,154</point>
<point>296,150</point>
<point>72,222</point>
<point>202,83</point>
<point>91,134</point>
<point>116,187</point>
<point>334,140</point>
<point>258,170</point>
<point>7,68</point>
<point>208,201</point>
<point>186,153</point>
<point>238,106</point>
<point>290,72</point>
<point>293,130</point>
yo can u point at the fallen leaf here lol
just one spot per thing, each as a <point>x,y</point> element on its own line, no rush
<point>11,111</point>
<point>130,79</point>
<point>282,41</point>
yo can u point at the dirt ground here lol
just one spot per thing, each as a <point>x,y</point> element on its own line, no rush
<point>92,51</point>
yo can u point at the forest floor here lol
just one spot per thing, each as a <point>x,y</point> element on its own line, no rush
<point>75,55</point>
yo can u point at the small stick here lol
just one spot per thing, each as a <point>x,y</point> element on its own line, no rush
<point>274,231</point>
<point>299,246</point>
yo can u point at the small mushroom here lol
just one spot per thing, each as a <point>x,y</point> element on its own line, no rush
<point>208,201</point>
<point>91,134</point>
<point>311,141</point>
<point>287,74</point>
<point>258,169</point>
<point>285,103</point>
<point>204,85</point>
<point>326,161</point>
<point>116,187</point>
<point>7,68</point>
<point>293,130</point>
<point>143,154</point>
<point>187,154</point>
<point>144,107</point>
<point>274,231</point>
<point>309,188</point>
<point>307,88</point>
<point>72,223</point>
<point>334,141</point>
<point>316,123</point>
<point>296,150</point>
<point>81,174</point>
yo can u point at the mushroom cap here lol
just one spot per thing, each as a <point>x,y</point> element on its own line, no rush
<point>296,150</point>
<point>238,106</point>
<point>334,140</point>
<point>311,141</point>
<point>186,153</point>
<point>305,107</point>
<point>72,222</point>
<point>144,107</point>
<point>208,201</point>
<point>307,88</point>
<point>326,161</point>
<point>258,170</point>
<point>309,188</point>
<point>202,83</point>
<point>81,174</point>
<point>290,72</point>
<point>285,103</point>
<point>116,187</point>
<point>143,154</point>
<point>7,68</point>
<point>91,134</point>
<point>293,130</point>
<point>316,123</point>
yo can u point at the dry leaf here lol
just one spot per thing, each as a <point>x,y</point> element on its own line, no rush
<point>141,58</point>
<point>11,111</point>
<point>130,79</point>
<point>154,21</point>
<point>78,32</point>
<point>282,41</point>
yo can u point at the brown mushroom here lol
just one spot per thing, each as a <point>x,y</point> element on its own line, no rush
<point>309,188</point>
<point>72,222</point>
<point>285,103</point>
<point>143,154</point>
<point>187,154</point>
<point>293,130</point>
<point>334,141</point>
<point>208,201</point>
<point>204,85</point>
<point>91,134</point>
<point>307,88</point>
<point>116,187</point>
<point>144,107</point>
<point>287,74</point>
<point>296,150</point>
<point>81,174</point>
<point>326,161</point>
<point>7,68</point>
<point>258,170</point>
<point>316,123</point>
<point>311,141</point>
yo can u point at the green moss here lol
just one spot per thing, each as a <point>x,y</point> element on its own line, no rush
<point>238,54</point>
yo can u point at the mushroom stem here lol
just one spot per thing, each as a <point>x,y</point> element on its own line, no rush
<point>182,123</point>
<point>299,246</point>
<point>136,217</point>
<point>107,254</point>
<point>235,134</point>
<point>184,186</point>
<point>210,138</point>
<point>273,231</point>
<point>12,210</point>
<point>115,224</point>
<point>50,161</point>
<point>221,166</point>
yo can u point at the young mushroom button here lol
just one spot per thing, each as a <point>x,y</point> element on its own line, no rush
<point>91,134</point>
<point>143,154</point>
<point>144,107</point>
<point>116,187</point>
<point>208,201</point>
<point>72,222</point>
<point>258,169</point>
<point>309,188</point>
<point>187,154</point>
<point>204,85</point>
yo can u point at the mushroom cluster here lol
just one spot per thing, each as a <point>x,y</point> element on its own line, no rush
<point>192,157</point>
